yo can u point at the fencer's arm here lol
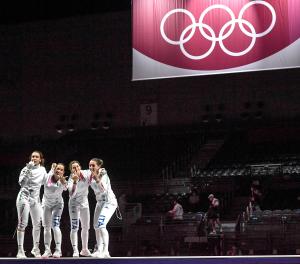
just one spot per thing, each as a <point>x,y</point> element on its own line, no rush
<point>50,173</point>
<point>64,183</point>
<point>72,185</point>
<point>25,174</point>
<point>102,180</point>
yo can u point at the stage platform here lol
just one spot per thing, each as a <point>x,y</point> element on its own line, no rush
<point>162,260</point>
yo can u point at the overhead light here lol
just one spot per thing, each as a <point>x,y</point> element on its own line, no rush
<point>71,127</point>
<point>219,117</point>
<point>205,119</point>
<point>59,129</point>
<point>94,125</point>
<point>106,125</point>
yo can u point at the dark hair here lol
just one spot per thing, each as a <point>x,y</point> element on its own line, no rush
<point>72,162</point>
<point>61,164</point>
<point>98,161</point>
<point>41,156</point>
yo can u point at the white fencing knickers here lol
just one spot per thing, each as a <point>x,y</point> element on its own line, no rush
<point>51,219</point>
<point>25,206</point>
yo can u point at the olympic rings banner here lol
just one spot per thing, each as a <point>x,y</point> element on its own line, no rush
<point>173,38</point>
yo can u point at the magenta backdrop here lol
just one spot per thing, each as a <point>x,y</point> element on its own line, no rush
<point>213,41</point>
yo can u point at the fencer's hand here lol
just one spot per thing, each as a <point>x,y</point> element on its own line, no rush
<point>75,177</point>
<point>63,179</point>
<point>76,171</point>
<point>102,172</point>
<point>53,166</point>
<point>30,165</point>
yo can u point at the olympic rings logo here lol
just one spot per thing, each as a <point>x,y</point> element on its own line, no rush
<point>185,37</point>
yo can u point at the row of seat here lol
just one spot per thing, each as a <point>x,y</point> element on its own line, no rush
<point>245,170</point>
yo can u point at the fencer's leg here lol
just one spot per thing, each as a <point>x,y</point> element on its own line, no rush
<point>97,211</point>
<point>20,239</point>
<point>56,216</point>
<point>85,226</point>
<point>46,221</point>
<point>57,232</point>
<point>105,239</point>
<point>74,241</point>
<point>36,217</point>
<point>99,240</point>
<point>23,214</point>
<point>104,217</point>
<point>57,237</point>
<point>74,218</point>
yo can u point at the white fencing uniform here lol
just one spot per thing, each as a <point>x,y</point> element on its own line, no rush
<point>28,201</point>
<point>79,209</point>
<point>105,207</point>
<point>53,205</point>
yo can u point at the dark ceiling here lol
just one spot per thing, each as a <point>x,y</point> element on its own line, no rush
<point>15,12</point>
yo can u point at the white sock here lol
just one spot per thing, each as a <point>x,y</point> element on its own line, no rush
<point>105,239</point>
<point>36,232</point>
<point>74,240</point>
<point>47,238</point>
<point>57,238</point>
<point>20,239</point>
<point>99,239</point>
<point>84,238</point>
